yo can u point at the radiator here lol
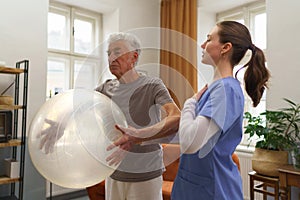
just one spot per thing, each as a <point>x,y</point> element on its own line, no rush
<point>246,167</point>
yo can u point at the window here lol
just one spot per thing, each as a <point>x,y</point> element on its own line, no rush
<point>73,35</point>
<point>254,17</point>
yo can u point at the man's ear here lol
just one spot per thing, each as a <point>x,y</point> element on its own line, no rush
<point>135,55</point>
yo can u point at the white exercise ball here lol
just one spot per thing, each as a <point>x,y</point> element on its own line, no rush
<point>69,135</point>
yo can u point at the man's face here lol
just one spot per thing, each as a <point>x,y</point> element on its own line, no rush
<point>120,58</point>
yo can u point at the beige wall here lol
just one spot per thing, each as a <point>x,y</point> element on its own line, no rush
<point>23,35</point>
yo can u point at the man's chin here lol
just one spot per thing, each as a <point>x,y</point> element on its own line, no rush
<point>114,72</point>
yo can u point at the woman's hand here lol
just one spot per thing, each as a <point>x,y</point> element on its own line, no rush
<point>199,94</point>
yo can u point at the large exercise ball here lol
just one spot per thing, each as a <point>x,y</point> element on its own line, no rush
<point>69,135</point>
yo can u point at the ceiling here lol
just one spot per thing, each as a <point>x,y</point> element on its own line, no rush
<point>105,6</point>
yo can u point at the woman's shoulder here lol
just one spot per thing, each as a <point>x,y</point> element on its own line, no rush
<point>228,82</point>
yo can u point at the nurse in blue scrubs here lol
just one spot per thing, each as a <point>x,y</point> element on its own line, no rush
<point>211,121</point>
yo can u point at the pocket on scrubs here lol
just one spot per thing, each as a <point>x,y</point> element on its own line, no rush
<point>189,186</point>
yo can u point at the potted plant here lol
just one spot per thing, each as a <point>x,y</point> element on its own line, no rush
<point>277,132</point>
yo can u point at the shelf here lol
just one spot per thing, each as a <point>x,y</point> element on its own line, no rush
<point>11,143</point>
<point>11,107</point>
<point>6,180</point>
<point>8,70</point>
<point>17,145</point>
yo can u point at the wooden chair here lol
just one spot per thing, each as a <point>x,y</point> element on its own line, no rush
<point>97,192</point>
<point>236,160</point>
<point>262,186</point>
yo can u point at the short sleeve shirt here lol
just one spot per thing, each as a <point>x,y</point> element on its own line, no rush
<point>214,175</point>
<point>140,102</point>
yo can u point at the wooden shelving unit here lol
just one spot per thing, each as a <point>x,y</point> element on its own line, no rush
<point>11,143</point>
<point>9,70</point>
<point>16,144</point>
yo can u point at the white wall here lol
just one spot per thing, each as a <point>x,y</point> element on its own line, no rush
<point>141,17</point>
<point>206,21</point>
<point>283,52</point>
<point>23,35</point>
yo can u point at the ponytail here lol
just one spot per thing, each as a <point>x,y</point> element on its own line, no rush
<point>256,75</point>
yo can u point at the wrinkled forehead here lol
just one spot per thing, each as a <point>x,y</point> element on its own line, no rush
<point>120,45</point>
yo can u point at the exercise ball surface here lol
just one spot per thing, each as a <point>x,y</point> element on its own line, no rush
<point>69,135</point>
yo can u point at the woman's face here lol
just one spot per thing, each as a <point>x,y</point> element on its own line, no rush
<point>211,53</point>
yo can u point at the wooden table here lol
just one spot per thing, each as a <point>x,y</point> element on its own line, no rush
<point>288,176</point>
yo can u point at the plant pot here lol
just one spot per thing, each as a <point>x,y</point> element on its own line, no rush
<point>295,154</point>
<point>266,162</point>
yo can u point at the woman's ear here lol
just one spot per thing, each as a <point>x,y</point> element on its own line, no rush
<point>226,47</point>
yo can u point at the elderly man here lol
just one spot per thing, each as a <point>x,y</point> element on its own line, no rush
<point>151,114</point>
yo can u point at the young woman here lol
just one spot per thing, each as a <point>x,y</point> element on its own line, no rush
<point>211,121</point>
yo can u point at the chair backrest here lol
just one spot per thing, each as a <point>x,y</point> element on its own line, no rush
<point>171,155</point>
<point>236,159</point>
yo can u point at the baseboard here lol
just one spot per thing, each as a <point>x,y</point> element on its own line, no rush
<point>68,196</point>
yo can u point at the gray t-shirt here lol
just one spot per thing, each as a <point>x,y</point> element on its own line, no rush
<point>140,102</point>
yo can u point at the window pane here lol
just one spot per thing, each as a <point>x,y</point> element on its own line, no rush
<point>58,37</point>
<point>84,75</point>
<point>260,27</point>
<point>57,76</point>
<point>83,36</point>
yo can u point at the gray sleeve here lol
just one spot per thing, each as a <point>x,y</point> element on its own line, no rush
<point>101,87</point>
<point>162,94</point>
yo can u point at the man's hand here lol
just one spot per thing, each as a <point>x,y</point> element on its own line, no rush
<point>124,144</point>
<point>50,135</point>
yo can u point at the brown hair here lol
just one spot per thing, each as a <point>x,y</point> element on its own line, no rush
<point>256,75</point>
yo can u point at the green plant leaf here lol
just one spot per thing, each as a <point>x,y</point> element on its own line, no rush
<point>276,129</point>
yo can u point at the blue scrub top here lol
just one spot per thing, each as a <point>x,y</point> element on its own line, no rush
<point>210,173</point>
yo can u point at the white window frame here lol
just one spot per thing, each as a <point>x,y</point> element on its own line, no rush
<point>71,57</point>
<point>72,13</point>
<point>247,12</point>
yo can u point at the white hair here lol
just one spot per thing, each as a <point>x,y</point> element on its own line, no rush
<point>131,39</point>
